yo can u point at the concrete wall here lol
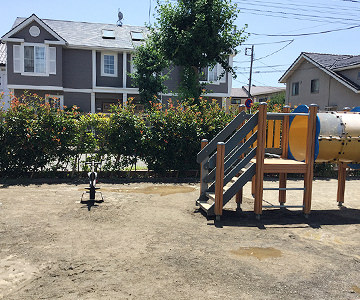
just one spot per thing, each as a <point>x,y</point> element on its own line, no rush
<point>82,100</point>
<point>342,96</point>
<point>331,92</point>
<point>77,69</point>
<point>17,78</point>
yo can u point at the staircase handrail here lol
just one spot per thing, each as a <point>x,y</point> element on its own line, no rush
<point>221,136</point>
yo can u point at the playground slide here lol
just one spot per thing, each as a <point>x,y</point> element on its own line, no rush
<point>337,136</point>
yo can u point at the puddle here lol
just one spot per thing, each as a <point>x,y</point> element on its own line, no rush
<point>356,289</point>
<point>161,190</point>
<point>259,253</point>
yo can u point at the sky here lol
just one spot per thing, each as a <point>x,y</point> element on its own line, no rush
<point>279,29</point>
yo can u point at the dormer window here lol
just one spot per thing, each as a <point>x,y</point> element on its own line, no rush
<point>108,34</point>
<point>137,35</point>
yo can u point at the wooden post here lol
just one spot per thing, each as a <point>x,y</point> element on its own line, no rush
<point>285,148</point>
<point>260,154</point>
<point>309,158</point>
<point>203,172</point>
<point>239,194</point>
<point>219,181</point>
<point>341,182</point>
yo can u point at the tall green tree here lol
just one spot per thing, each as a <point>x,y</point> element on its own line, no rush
<point>195,34</point>
<point>149,64</point>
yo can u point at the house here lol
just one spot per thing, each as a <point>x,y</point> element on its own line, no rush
<point>4,91</point>
<point>84,64</point>
<point>258,94</point>
<point>331,81</point>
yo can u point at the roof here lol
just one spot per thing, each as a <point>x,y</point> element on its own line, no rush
<point>84,34</point>
<point>330,64</point>
<point>255,91</point>
<point>2,54</point>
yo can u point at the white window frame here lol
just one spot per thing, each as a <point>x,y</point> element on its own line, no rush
<point>115,54</point>
<point>22,58</point>
<point>219,70</point>
<point>50,64</point>
<point>60,97</point>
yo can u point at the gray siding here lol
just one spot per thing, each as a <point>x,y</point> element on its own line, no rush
<point>174,73</point>
<point>17,78</point>
<point>109,81</point>
<point>104,98</point>
<point>82,100</point>
<point>77,69</point>
<point>42,94</point>
<point>352,75</point>
<point>331,92</point>
<point>219,88</point>
<point>175,77</point>
<point>24,34</point>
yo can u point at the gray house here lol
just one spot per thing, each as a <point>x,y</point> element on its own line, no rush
<point>4,91</point>
<point>331,81</point>
<point>84,64</point>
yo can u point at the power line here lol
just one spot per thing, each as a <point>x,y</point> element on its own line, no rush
<point>299,7</point>
<point>300,18</point>
<point>305,34</point>
<point>275,51</point>
<point>299,15</point>
<point>262,67</point>
<point>269,43</point>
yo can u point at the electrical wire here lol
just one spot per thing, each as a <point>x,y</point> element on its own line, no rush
<point>269,43</point>
<point>298,15</point>
<point>299,7</point>
<point>282,48</point>
<point>306,34</point>
<point>298,18</point>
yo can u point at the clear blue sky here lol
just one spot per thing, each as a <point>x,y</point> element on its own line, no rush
<point>271,17</point>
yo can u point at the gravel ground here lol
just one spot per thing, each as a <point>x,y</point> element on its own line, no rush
<point>149,241</point>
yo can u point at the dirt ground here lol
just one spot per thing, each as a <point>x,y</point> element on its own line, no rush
<point>149,241</point>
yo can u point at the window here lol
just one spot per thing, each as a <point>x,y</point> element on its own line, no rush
<point>34,59</point>
<point>137,36</point>
<point>212,74</point>
<point>56,101</point>
<point>295,89</point>
<point>109,64</point>
<point>108,34</point>
<point>315,86</point>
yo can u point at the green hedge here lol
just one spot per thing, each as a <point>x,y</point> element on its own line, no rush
<point>39,137</point>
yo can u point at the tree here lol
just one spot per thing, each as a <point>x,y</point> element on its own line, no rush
<point>149,63</point>
<point>195,34</point>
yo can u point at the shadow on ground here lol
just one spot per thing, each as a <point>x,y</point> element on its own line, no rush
<point>285,218</point>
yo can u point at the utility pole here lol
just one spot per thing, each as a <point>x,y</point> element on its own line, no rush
<point>251,65</point>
